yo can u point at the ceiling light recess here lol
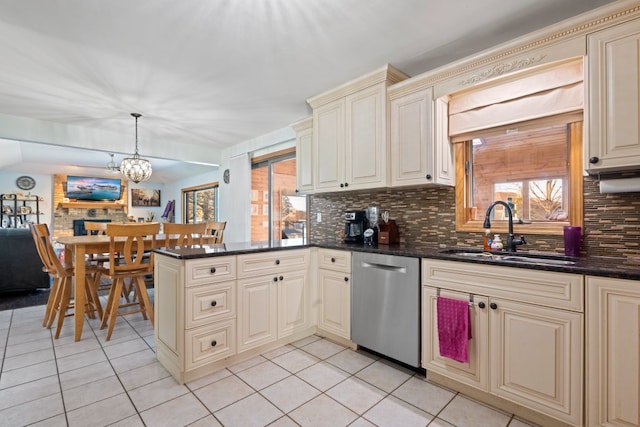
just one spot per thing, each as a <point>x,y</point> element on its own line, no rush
<point>135,168</point>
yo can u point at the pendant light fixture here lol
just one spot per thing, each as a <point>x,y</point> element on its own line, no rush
<point>135,168</point>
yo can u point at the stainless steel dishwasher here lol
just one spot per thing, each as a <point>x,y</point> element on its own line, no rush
<point>385,305</point>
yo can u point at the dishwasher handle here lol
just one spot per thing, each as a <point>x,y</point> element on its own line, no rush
<point>384,267</point>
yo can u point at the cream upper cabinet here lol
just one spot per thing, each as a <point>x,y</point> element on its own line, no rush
<point>420,153</point>
<point>614,98</point>
<point>613,359</point>
<point>523,350</point>
<point>304,156</point>
<point>334,292</point>
<point>328,146</point>
<point>350,146</point>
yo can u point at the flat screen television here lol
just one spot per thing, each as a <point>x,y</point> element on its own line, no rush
<point>90,188</point>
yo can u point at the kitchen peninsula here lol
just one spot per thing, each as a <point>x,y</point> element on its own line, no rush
<point>220,304</point>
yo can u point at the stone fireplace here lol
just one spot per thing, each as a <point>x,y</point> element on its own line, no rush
<point>67,211</point>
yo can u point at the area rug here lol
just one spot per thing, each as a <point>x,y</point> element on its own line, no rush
<point>11,301</point>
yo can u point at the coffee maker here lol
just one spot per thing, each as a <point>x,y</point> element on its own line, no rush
<point>356,223</point>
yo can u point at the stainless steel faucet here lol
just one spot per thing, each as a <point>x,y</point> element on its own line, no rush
<point>512,242</point>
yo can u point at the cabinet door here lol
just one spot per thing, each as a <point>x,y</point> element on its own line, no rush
<point>328,146</point>
<point>613,359</point>
<point>474,373</point>
<point>412,139</point>
<point>614,98</point>
<point>366,139</point>
<point>334,291</point>
<point>536,358</point>
<point>304,159</point>
<point>293,303</point>
<point>257,311</point>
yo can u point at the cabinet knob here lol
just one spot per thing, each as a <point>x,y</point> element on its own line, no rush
<point>594,160</point>
<point>333,260</point>
<point>428,176</point>
<point>481,304</point>
<point>281,278</point>
<point>214,343</point>
<point>277,262</point>
<point>493,306</point>
<point>214,303</point>
<point>297,191</point>
<point>213,270</point>
<point>275,279</point>
<point>346,184</point>
<point>341,185</point>
<point>346,279</point>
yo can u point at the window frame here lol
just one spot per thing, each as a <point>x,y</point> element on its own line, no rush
<point>183,193</point>
<point>464,220</point>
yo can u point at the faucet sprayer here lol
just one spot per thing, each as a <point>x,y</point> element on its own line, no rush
<point>512,243</point>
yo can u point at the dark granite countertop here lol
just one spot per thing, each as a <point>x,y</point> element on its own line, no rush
<point>623,268</point>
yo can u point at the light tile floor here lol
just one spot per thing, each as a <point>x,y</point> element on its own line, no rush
<point>312,382</point>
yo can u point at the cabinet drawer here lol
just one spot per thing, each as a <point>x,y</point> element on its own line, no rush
<point>210,303</point>
<point>550,289</point>
<point>210,270</point>
<point>272,262</point>
<point>336,260</point>
<point>210,343</point>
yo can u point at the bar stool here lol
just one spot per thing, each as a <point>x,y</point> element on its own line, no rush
<point>59,300</point>
<point>134,262</point>
<point>188,234</point>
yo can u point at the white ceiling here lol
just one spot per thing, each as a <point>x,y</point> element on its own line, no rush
<point>213,73</point>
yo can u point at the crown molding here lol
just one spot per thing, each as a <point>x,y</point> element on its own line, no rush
<point>386,74</point>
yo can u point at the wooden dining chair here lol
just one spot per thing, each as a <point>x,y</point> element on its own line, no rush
<point>216,229</point>
<point>93,229</point>
<point>134,261</point>
<point>186,234</point>
<point>59,301</point>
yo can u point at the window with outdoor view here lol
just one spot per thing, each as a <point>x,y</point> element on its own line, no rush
<point>200,203</point>
<point>277,211</point>
<point>533,170</point>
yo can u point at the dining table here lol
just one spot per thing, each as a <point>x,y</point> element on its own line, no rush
<point>76,251</point>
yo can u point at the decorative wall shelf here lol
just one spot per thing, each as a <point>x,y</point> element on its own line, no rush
<point>92,205</point>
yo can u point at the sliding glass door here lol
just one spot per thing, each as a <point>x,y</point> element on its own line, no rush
<point>277,212</point>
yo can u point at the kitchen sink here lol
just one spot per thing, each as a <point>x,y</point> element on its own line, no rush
<point>512,257</point>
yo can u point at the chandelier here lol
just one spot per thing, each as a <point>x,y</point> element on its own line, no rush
<point>135,168</point>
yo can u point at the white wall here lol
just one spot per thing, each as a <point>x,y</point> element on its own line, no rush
<point>43,188</point>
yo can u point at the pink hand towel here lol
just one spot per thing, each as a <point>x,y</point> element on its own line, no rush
<point>454,328</point>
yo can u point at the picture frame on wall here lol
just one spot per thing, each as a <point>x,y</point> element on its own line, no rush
<point>145,197</point>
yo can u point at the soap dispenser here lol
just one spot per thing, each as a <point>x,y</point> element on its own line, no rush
<point>487,240</point>
<point>497,245</point>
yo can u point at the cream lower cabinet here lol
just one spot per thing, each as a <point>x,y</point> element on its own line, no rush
<point>273,296</point>
<point>613,352</point>
<point>195,312</point>
<point>614,98</point>
<point>527,327</point>
<point>334,292</point>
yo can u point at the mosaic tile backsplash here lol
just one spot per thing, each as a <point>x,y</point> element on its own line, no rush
<point>427,215</point>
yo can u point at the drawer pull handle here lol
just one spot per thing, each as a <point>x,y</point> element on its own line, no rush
<point>214,343</point>
<point>214,303</point>
<point>493,306</point>
<point>333,260</point>
<point>277,262</point>
<point>213,270</point>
